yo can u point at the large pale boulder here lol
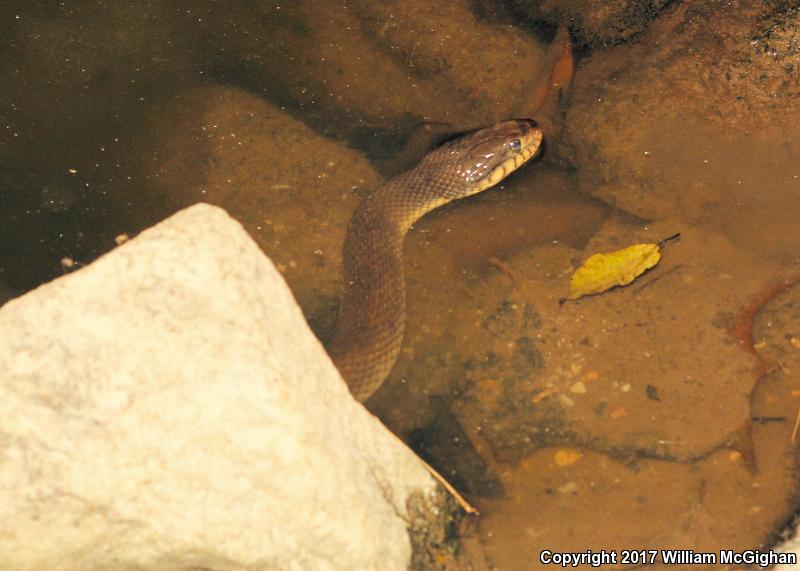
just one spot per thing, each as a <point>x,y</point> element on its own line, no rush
<point>168,408</point>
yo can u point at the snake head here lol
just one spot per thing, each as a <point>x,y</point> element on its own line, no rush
<point>484,157</point>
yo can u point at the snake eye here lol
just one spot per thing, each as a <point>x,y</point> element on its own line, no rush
<point>515,145</point>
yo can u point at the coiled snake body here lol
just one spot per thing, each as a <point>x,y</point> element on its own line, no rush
<point>372,311</point>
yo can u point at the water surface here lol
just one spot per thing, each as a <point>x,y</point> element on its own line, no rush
<point>637,419</point>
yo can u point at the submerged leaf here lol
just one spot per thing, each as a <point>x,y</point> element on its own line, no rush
<point>603,271</point>
<point>548,88</point>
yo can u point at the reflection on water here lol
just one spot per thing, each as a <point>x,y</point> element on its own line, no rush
<point>642,418</point>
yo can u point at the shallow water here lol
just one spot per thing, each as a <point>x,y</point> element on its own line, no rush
<point>642,419</point>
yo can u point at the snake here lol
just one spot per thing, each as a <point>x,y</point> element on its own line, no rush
<point>372,309</point>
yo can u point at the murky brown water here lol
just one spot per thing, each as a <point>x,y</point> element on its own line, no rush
<point>655,416</point>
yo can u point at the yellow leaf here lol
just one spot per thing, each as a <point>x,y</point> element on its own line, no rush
<point>603,271</point>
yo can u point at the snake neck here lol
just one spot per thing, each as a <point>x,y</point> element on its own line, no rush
<point>372,311</point>
<point>369,332</point>
<point>408,197</point>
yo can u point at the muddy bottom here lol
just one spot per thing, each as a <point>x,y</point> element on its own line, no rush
<point>656,416</point>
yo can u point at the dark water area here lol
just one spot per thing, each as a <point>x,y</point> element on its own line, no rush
<point>633,419</point>
<point>78,82</point>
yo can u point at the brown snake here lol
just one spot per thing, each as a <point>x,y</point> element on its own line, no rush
<point>372,311</point>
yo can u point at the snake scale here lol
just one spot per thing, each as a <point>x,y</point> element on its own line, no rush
<point>372,311</point>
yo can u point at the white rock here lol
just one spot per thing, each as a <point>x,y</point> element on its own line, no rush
<point>789,548</point>
<point>167,407</point>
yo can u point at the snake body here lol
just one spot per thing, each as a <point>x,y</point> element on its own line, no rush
<point>369,331</point>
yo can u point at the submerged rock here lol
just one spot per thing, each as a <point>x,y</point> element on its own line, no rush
<point>292,189</point>
<point>167,407</point>
<point>702,128</point>
<point>595,22</point>
<point>373,72</point>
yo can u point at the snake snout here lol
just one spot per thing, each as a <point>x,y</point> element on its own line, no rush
<point>501,149</point>
<point>531,133</point>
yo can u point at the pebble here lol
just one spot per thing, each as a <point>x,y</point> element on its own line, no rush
<point>566,401</point>
<point>578,388</point>
<point>568,488</point>
<point>567,457</point>
<point>591,376</point>
<point>618,412</point>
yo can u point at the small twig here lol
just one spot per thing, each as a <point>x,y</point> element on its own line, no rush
<point>669,239</point>
<point>796,427</point>
<point>741,329</point>
<point>465,505</point>
<point>765,419</point>
<point>505,268</point>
